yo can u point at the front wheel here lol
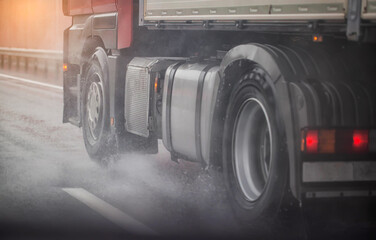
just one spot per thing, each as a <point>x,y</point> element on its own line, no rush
<point>255,169</point>
<point>95,112</point>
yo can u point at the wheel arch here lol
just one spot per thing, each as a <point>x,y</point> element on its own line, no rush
<point>89,48</point>
<point>85,32</point>
<point>93,49</point>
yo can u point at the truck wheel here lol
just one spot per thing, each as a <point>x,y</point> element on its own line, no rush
<point>254,168</point>
<point>95,112</point>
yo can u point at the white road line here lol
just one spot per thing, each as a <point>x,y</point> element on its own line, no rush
<point>111,213</point>
<point>31,81</point>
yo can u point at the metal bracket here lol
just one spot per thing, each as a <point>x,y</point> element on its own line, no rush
<point>239,24</point>
<point>353,20</point>
<point>206,24</point>
<point>79,99</point>
<point>141,13</point>
<point>151,124</point>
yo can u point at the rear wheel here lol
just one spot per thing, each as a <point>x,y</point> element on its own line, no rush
<point>254,167</point>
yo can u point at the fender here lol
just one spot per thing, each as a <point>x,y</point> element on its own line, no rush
<point>75,38</point>
<point>311,86</point>
<point>103,26</point>
<point>80,42</point>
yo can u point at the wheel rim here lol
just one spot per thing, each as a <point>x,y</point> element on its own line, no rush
<point>252,148</point>
<point>94,105</point>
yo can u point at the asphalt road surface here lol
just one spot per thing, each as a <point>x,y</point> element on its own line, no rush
<point>49,188</point>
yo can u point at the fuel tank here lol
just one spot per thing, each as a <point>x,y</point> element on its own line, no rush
<point>189,95</point>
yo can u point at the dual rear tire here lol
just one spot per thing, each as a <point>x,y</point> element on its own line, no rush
<point>254,165</point>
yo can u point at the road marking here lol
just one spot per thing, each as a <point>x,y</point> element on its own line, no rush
<point>110,212</point>
<point>31,81</point>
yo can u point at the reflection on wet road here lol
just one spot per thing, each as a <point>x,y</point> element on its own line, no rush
<point>40,156</point>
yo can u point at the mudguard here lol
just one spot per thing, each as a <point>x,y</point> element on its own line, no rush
<point>85,27</point>
<point>307,87</point>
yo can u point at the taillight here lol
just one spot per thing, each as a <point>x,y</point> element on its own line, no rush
<point>311,141</point>
<point>360,141</point>
<point>343,141</point>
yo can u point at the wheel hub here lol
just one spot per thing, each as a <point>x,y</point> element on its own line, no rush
<point>94,108</point>
<point>252,148</point>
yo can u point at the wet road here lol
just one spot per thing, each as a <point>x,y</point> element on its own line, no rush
<point>49,188</point>
<point>40,157</point>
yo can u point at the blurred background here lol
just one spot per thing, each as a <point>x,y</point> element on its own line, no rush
<point>32,24</point>
<point>31,38</point>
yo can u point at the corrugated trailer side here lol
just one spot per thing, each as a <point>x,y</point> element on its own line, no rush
<point>244,10</point>
<point>351,17</point>
<point>252,10</point>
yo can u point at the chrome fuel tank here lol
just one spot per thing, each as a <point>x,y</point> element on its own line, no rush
<point>189,96</point>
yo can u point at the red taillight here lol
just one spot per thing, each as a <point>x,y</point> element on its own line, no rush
<point>312,141</point>
<point>338,141</point>
<point>360,141</point>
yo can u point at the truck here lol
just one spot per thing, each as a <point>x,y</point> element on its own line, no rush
<point>276,95</point>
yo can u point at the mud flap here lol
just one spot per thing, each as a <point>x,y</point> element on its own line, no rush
<point>72,102</point>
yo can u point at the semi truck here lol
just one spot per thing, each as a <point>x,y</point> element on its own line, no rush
<point>276,95</point>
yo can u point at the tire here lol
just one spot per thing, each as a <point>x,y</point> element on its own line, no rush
<point>95,112</point>
<point>255,169</point>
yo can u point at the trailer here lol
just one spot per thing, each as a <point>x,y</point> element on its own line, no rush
<point>277,95</point>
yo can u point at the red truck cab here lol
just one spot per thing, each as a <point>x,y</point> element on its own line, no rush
<point>124,9</point>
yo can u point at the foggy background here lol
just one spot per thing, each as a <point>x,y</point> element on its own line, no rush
<point>32,24</point>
